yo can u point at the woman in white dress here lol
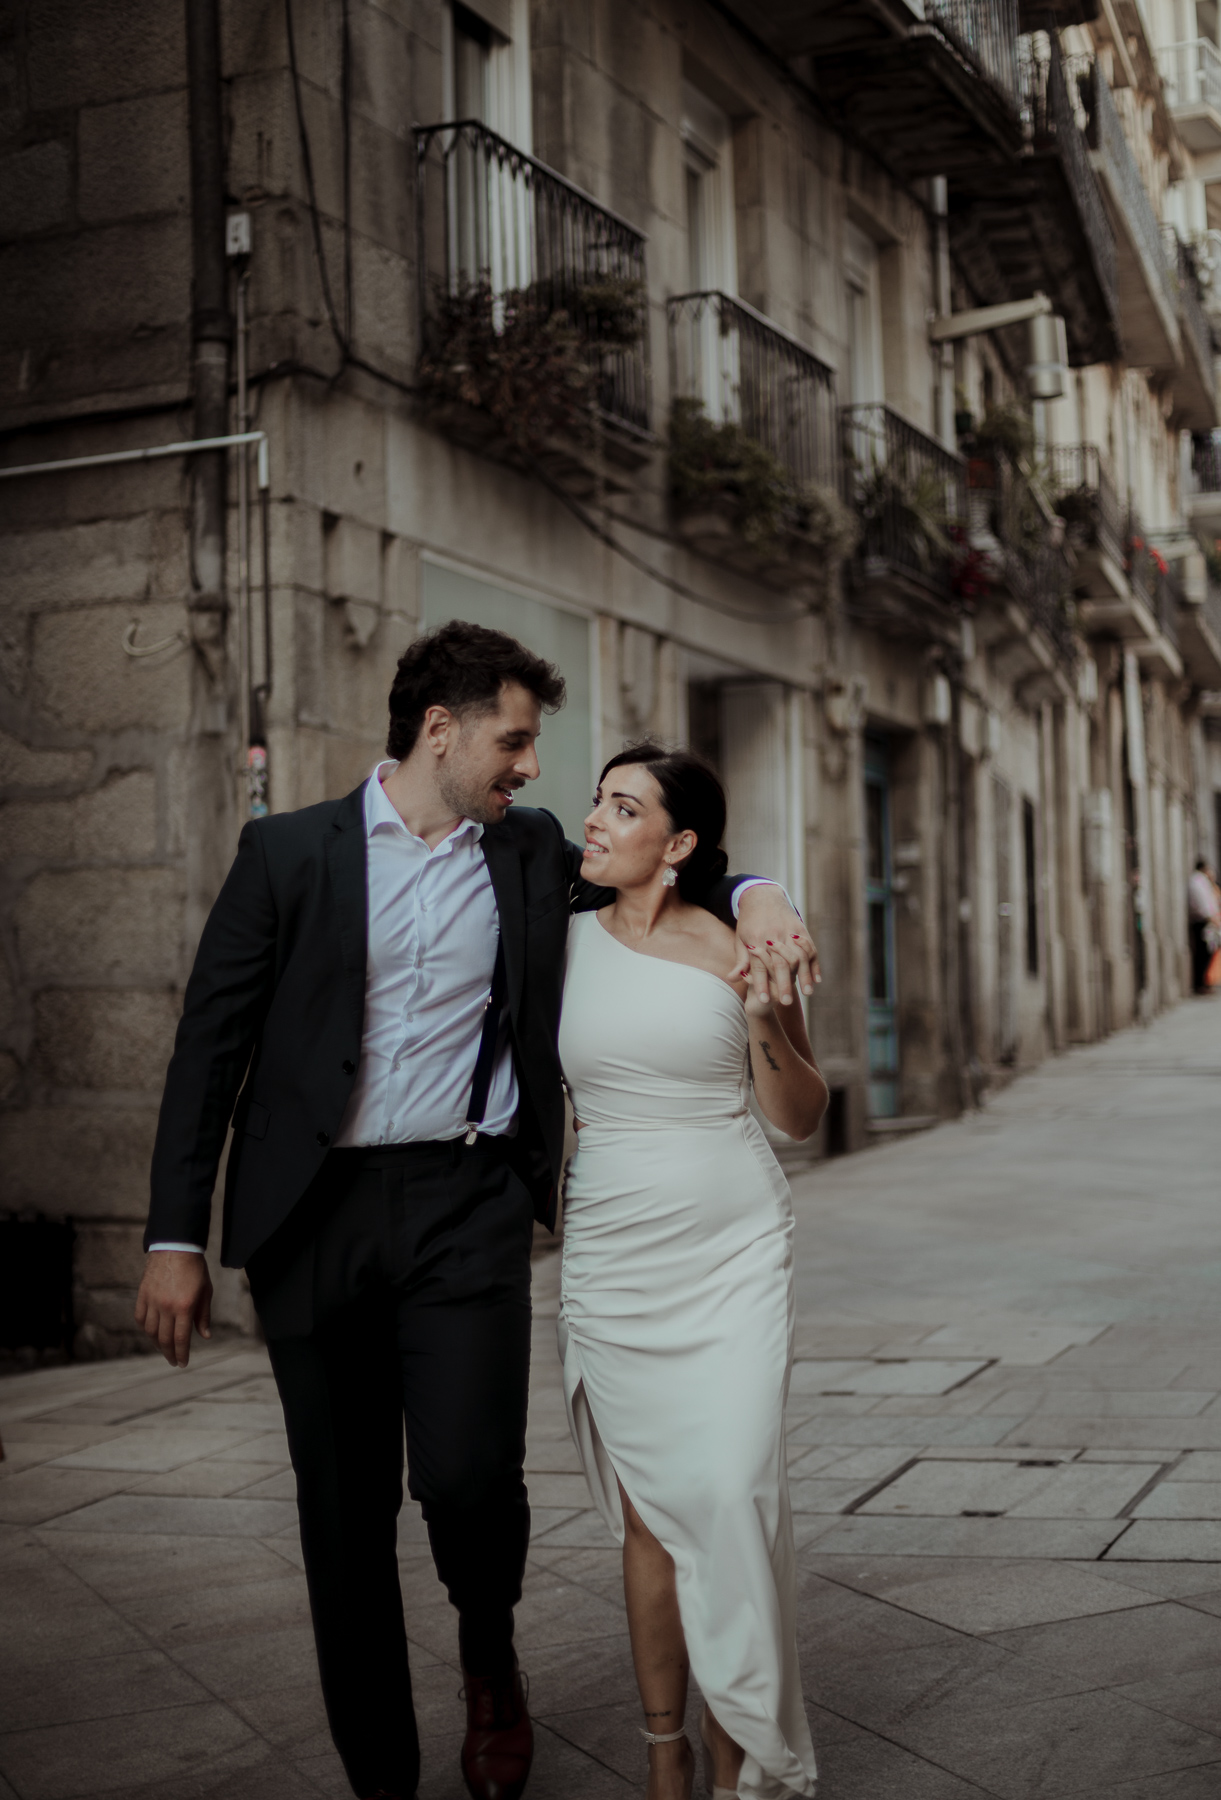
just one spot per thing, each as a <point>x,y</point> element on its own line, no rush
<point>676,1322</point>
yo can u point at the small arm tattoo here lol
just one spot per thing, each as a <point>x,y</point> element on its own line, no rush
<point>767,1051</point>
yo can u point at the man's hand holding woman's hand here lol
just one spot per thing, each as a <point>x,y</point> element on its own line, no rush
<point>776,950</point>
<point>175,1294</point>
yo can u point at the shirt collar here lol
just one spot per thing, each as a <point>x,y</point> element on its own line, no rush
<point>381,816</point>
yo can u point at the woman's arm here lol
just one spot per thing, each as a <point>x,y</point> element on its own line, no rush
<point>791,1093</point>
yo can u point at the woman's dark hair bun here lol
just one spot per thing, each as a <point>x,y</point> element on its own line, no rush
<point>695,801</point>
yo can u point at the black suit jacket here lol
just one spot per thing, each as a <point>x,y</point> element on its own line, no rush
<point>274,1015</point>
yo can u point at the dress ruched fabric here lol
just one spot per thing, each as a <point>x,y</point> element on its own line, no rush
<point>676,1324</point>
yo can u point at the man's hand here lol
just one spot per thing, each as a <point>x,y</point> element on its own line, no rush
<point>175,1294</point>
<point>776,949</point>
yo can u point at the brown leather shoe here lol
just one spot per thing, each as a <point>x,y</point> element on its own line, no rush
<point>499,1744</point>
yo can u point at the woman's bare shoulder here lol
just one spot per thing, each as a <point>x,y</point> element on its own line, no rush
<point>710,944</point>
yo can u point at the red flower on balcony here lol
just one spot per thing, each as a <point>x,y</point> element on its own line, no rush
<point>969,569</point>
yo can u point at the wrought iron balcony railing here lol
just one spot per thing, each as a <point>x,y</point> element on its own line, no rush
<point>1211,608</point>
<point>1191,73</point>
<point>908,490</point>
<point>1086,500</point>
<point>1055,119</point>
<point>984,30</point>
<point>1193,320</point>
<point>1168,598</point>
<point>1013,509</point>
<point>1130,197</point>
<point>488,213</point>
<point>1151,578</point>
<point>746,369</point>
<point>1206,462</point>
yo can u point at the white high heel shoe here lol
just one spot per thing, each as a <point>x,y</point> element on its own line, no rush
<point>710,1787</point>
<point>669,1737</point>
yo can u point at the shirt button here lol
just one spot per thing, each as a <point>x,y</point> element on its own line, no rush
<point>349,1068</point>
<point>323,1139</point>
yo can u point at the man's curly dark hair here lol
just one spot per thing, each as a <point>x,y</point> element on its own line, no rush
<point>463,667</point>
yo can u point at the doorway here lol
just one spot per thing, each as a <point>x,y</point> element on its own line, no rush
<point>883,1030</point>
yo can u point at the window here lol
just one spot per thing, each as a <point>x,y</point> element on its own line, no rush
<point>1030,862</point>
<point>486,72</point>
<point>486,49</point>
<point>712,251</point>
<point>565,750</point>
<point>472,57</point>
<point>864,317</point>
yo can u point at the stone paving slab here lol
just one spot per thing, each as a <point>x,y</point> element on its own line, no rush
<point>1005,1465</point>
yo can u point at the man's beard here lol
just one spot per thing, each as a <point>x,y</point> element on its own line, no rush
<point>468,799</point>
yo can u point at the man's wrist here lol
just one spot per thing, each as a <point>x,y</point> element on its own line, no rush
<point>751,881</point>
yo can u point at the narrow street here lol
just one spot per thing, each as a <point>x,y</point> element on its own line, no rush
<point>1005,1442</point>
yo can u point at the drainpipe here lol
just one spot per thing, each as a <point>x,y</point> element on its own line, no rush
<point>942,299</point>
<point>211,330</point>
<point>210,794</point>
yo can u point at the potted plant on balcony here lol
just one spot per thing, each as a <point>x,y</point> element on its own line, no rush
<point>512,374</point>
<point>498,365</point>
<point>737,502</point>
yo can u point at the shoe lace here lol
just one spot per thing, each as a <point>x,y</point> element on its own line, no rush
<point>498,1706</point>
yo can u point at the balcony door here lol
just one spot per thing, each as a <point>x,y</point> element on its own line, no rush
<point>709,353</point>
<point>486,50</point>
<point>863,322</point>
<point>883,1030</point>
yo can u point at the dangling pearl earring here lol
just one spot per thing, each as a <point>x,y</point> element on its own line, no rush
<point>669,878</point>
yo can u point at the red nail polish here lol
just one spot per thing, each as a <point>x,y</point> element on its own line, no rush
<point>770,945</point>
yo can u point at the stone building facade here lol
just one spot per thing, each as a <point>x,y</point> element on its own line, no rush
<point>638,329</point>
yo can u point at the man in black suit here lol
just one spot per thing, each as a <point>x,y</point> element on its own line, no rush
<point>374,1005</point>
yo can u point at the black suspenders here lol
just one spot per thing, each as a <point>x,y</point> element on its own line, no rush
<point>482,1082</point>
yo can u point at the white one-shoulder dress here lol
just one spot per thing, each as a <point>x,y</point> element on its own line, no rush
<point>676,1323</point>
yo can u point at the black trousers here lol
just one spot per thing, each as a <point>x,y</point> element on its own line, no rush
<point>1201,955</point>
<point>400,1289</point>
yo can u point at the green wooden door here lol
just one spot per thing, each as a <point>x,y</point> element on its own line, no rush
<point>880,935</point>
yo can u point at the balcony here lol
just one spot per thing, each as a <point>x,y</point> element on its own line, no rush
<point>754,381</point>
<point>1023,548</point>
<point>1115,579</point>
<point>1195,384</point>
<point>1084,497</point>
<point>1159,583</point>
<point>1204,497</point>
<point>533,301</point>
<point>932,97</point>
<point>1200,622</point>
<point>1037,221</point>
<point>910,496</point>
<point>1191,74</point>
<point>1148,297</point>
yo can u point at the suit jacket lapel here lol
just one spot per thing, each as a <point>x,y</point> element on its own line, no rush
<point>504,866</point>
<point>347,859</point>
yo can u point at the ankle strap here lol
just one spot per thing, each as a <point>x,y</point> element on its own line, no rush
<point>661,1737</point>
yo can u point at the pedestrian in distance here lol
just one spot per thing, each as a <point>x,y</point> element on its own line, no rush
<point>374,1006</point>
<point>677,1311</point>
<point>1203,923</point>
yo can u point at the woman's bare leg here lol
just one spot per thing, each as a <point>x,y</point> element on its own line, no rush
<point>659,1653</point>
<point>726,1754</point>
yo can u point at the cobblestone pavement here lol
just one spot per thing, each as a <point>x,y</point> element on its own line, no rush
<point>1005,1442</point>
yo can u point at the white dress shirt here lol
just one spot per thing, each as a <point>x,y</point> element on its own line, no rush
<point>1201,896</point>
<point>432,932</point>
